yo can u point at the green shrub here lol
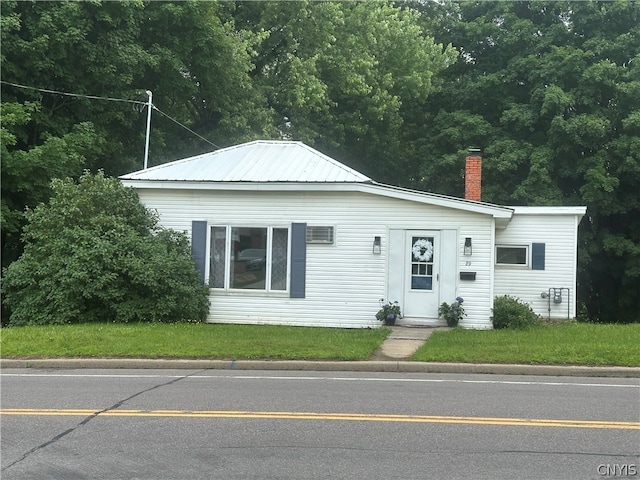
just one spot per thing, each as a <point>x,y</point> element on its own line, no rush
<point>511,312</point>
<point>95,254</point>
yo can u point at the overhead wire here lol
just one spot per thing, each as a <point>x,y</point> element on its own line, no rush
<point>185,127</point>
<point>96,97</point>
<point>56,92</point>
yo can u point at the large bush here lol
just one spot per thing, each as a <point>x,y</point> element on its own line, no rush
<point>511,312</point>
<point>93,253</point>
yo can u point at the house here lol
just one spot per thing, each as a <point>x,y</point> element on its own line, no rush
<point>283,234</point>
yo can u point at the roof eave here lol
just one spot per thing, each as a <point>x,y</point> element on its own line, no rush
<point>578,210</point>
<point>501,214</point>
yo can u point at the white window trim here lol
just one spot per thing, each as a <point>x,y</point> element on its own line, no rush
<point>527,256</point>
<point>227,263</point>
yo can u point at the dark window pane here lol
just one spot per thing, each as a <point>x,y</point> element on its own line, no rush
<point>421,283</point>
<point>249,264</point>
<point>511,255</point>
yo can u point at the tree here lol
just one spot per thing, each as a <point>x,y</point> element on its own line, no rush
<point>26,174</point>
<point>115,51</point>
<point>346,77</point>
<point>71,47</point>
<point>94,253</point>
<point>551,93</point>
<point>118,50</point>
<point>201,78</point>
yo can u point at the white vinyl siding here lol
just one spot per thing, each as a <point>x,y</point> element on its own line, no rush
<point>344,280</point>
<point>558,233</point>
<point>478,293</point>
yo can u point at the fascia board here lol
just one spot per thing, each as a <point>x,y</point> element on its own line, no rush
<point>550,210</point>
<point>243,186</point>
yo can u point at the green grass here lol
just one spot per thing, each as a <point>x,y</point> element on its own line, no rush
<point>568,343</point>
<point>183,340</point>
<point>561,344</point>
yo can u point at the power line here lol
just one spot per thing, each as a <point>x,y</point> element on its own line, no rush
<point>183,126</point>
<point>92,97</point>
<point>95,97</point>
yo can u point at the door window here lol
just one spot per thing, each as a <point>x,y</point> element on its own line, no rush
<point>421,257</point>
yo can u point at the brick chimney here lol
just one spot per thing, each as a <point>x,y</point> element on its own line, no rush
<point>473,176</point>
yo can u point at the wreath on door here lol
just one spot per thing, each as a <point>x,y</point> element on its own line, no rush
<point>422,250</point>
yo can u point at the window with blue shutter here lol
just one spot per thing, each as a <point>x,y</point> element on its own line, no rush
<point>537,256</point>
<point>253,258</point>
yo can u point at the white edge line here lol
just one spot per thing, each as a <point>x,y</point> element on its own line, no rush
<point>339,379</point>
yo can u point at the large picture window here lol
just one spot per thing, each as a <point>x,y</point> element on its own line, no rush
<point>249,258</point>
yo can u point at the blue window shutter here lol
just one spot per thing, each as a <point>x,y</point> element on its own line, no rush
<point>537,256</point>
<point>298,259</point>
<point>199,246</point>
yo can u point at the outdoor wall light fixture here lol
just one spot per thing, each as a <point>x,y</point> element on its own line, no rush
<point>377,245</point>
<point>468,250</point>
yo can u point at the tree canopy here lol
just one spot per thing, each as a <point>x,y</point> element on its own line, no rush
<point>107,54</point>
<point>549,90</point>
<point>346,77</point>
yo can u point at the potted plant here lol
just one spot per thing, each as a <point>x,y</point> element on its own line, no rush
<point>389,312</point>
<point>452,313</point>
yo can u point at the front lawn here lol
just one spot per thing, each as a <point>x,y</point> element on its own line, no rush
<point>568,343</point>
<point>563,343</point>
<point>183,340</point>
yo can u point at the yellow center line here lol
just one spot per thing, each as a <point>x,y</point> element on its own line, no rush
<point>347,417</point>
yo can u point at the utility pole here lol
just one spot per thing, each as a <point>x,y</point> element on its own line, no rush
<point>146,147</point>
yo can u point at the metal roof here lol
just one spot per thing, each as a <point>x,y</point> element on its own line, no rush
<point>258,161</point>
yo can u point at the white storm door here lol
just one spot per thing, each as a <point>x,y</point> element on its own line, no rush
<point>422,274</point>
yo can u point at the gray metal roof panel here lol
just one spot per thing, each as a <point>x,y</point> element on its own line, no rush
<point>258,161</point>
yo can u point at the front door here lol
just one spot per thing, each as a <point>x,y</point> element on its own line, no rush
<point>422,275</point>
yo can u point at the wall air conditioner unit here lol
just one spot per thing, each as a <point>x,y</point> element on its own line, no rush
<point>319,234</point>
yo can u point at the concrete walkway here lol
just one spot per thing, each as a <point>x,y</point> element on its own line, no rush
<point>403,341</point>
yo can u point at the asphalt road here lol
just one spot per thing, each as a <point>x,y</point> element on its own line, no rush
<point>213,424</point>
